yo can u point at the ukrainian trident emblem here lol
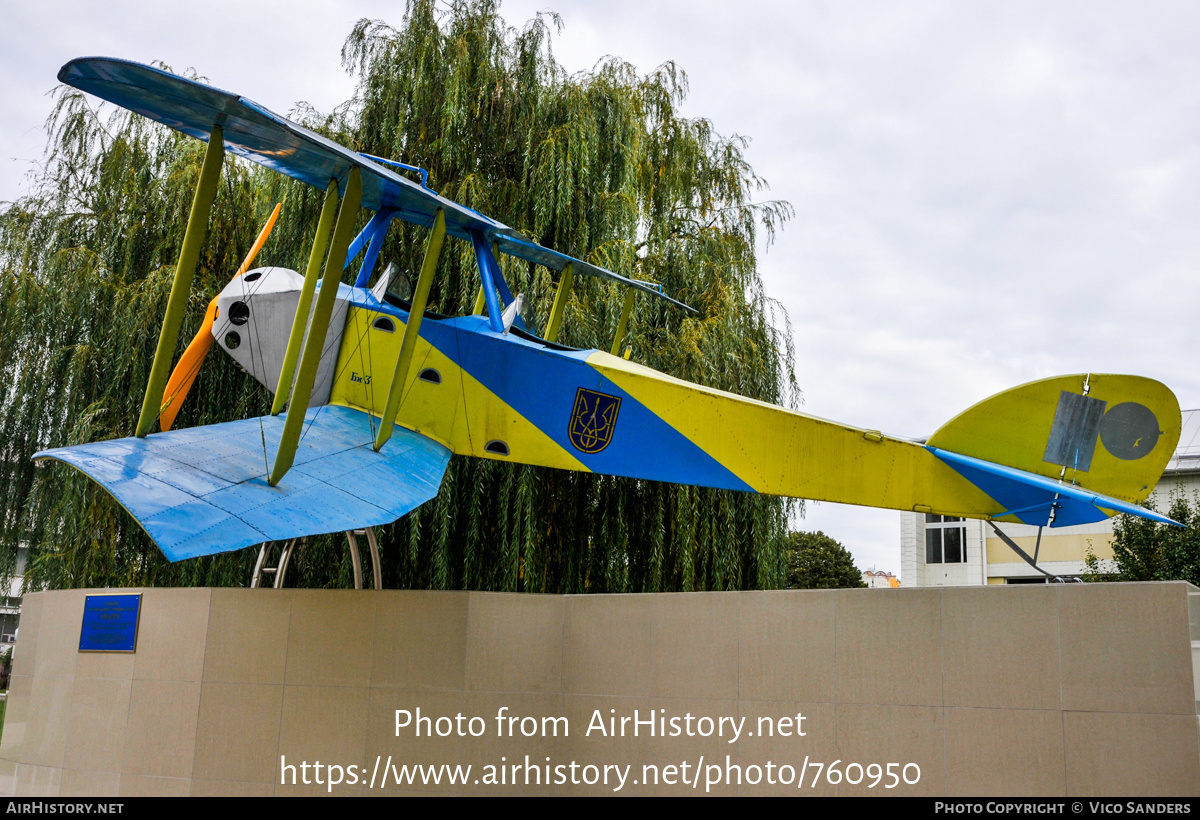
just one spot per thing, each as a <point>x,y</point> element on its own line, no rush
<point>592,420</point>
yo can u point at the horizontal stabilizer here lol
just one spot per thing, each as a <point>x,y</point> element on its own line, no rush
<point>204,490</point>
<point>1030,498</point>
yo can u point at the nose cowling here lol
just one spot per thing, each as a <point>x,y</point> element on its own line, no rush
<point>254,320</point>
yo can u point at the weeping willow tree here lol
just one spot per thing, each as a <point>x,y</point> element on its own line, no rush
<point>599,164</point>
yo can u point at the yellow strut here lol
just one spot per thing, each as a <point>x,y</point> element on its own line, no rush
<point>623,323</point>
<point>181,288</point>
<point>311,359</point>
<point>412,330</point>
<point>300,322</point>
<point>560,303</point>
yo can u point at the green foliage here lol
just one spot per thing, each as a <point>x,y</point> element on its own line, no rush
<point>816,561</point>
<point>86,263</point>
<point>598,164</point>
<point>1144,550</point>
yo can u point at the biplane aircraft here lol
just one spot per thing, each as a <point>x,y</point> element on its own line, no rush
<point>379,391</point>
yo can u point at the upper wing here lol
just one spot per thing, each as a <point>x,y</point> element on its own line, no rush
<point>259,135</point>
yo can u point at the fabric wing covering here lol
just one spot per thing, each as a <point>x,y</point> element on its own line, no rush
<point>262,136</point>
<point>204,490</point>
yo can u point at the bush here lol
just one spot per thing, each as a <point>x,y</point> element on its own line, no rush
<point>1144,550</point>
<point>816,561</point>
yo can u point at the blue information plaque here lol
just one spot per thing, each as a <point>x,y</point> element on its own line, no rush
<point>110,623</point>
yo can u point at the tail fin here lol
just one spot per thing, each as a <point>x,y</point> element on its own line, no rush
<point>1104,435</point>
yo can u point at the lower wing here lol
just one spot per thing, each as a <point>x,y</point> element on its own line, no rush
<point>204,490</point>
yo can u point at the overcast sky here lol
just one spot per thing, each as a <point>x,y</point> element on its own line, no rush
<point>985,193</point>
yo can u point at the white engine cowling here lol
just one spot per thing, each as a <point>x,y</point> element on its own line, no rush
<point>254,321</point>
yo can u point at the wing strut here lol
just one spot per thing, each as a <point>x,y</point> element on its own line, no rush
<point>342,234</point>
<point>487,263</point>
<point>181,288</point>
<point>561,297</point>
<point>300,321</point>
<point>626,311</point>
<point>412,329</point>
<point>375,232</point>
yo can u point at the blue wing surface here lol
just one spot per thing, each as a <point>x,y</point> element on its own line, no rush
<point>259,135</point>
<point>204,490</point>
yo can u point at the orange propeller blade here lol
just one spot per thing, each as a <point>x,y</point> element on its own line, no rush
<point>188,367</point>
<point>258,243</point>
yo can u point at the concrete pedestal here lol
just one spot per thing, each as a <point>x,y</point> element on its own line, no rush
<point>1033,690</point>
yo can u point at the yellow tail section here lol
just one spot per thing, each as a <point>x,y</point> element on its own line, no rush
<point>1109,434</point>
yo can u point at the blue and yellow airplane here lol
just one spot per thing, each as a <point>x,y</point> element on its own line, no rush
<point>379,391</point>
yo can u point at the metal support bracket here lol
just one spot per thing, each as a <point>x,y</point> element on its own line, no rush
<point>1031,560</point>
<point>356,558</point>
<point>288,548</point>
<point>261,570</point>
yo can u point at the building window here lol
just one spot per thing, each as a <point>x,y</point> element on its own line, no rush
<point>8,628</point>
<point>945,540</point>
